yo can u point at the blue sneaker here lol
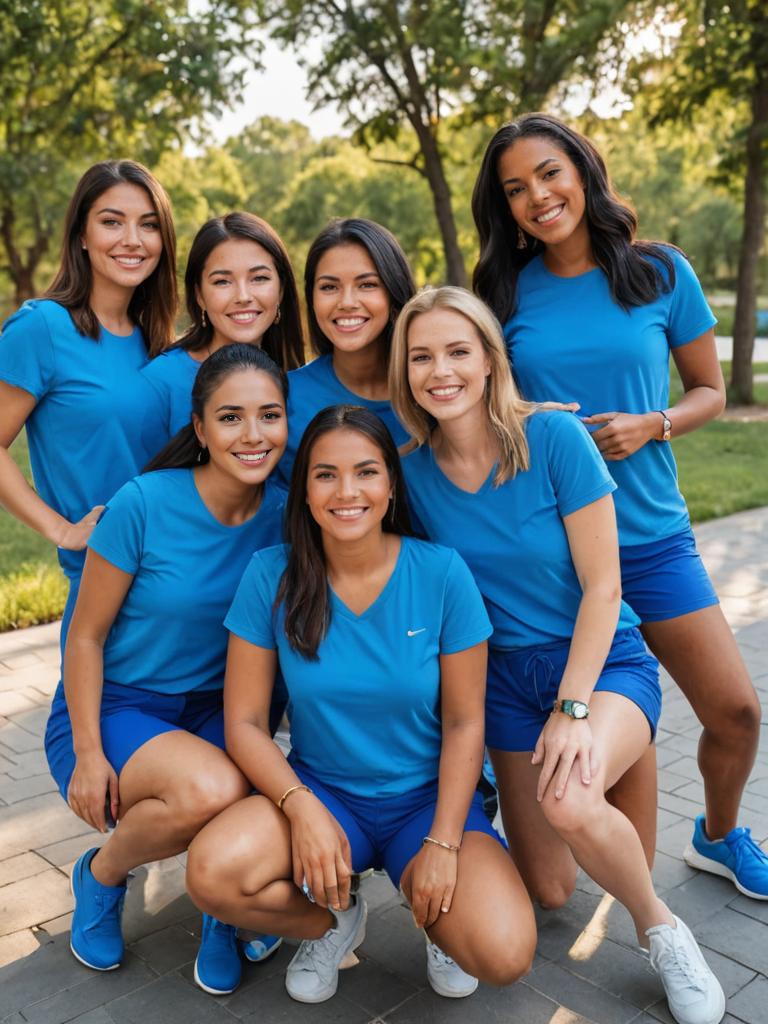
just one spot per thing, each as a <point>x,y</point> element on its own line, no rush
<point>736,856</point>
<point>218,966</point>
<point>96,939</point>
<point>261,948</point>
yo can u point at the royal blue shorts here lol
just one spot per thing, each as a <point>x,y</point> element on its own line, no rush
<point>665,578</point>
<point>387,832</point>
<point>523,684</point>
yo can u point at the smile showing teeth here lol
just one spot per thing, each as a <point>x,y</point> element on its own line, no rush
<point>348,513</point>
<point>545,218</point>
<point>243,318</point>
<point>129,261</point>
<point>252,457</point>
<point>350,321</point>
<point>446,392</point>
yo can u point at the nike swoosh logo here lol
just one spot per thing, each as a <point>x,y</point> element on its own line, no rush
<point>415,632</point>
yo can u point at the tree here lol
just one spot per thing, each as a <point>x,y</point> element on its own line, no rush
<point>88,79</point>
<point>723,53</point>
<point>389,63</point>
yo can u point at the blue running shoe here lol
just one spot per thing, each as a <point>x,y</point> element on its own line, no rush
<point>737,856</point>
<point>96,939</point>
<point>218,966</point>
<point>261,948</point>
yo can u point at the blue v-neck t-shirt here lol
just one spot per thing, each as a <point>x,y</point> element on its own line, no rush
<point>169,635</point>
<point>365,716</point>
<point>92,428</point>
<point>513,537</point>
<point>569,340</point>
<point>171,376</point>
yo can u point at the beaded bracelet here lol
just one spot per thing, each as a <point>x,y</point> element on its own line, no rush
<point>287,793</point>
<point>439,842</point>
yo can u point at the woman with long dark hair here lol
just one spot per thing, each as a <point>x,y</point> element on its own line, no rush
<point>144,685</point>
<point>381,641</point>
<point>356,281</point>
<point>592,315</point>
<point>573,698</point>
<point>238,287</point>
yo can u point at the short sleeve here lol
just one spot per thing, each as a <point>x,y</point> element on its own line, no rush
<point>577,471</point>
<point>251,614</point>
<point>465,620</point>
<point>26,351</point>
<point>119,535</point>
<point>689,312</point>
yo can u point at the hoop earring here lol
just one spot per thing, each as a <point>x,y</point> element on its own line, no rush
<point>204,318</point>
<point>278,315</point>
<point>522,241</point>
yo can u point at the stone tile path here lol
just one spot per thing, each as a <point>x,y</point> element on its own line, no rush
<point>587,968</point>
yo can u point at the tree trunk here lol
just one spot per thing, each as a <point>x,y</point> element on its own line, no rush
<point>741,383</point>
<point>24,285</point>
<point>21,271</point>
<point>455,271</point>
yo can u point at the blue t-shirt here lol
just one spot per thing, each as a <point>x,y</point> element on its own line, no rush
<point>169,635</point>
<point>365,717</point>
<point>570,341</point>
<point>312,388</point>
<point>512,537</point>
<point>90,430</point>
<point>172,375</point>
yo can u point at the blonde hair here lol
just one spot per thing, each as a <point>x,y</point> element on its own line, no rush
<point>506,410</point>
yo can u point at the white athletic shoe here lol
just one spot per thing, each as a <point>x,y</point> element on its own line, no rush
<point>313,974</point>
<point>693,992</point>
<point>445,976</point>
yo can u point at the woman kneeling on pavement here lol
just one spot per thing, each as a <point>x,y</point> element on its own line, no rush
<point>381,640</point>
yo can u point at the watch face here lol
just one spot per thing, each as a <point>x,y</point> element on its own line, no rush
<point>580,710</point>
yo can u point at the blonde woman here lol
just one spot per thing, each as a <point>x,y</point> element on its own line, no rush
<point>573,698</point>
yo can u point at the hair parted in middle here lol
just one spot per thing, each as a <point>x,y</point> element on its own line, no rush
<point>304,584</point>
<point>506,410</point>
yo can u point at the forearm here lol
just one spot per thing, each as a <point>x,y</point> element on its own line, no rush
<point>83,685</point>
<point>593,634</point>
<point>260,759</point>
<point>24,503</point>
<point>461,760</point>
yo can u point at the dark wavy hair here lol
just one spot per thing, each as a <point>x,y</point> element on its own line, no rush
<point>386,255</point>
<point>154,302</point>
<point>184,450</point>
<point>283,341</point>
<point>304,583</point>
<point>633,277</point>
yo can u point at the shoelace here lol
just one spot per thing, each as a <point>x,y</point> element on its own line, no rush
<point>317,956</point>
<point>106,903</point>
<point>442,958</point>
<point>685,969</point>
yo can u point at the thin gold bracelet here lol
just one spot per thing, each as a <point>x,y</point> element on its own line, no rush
<point>439,842</point>
<point>287,793</point>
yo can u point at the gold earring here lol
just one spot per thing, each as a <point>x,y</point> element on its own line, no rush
<point>522,241</point>
<point>204,318</point>
<point>278,315</point>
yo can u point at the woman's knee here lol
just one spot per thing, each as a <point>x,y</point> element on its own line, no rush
<point>578,811</point>
<point>552,893</point>
<point>209,873</point>
<point>507,963</point>
<point>207,792</point>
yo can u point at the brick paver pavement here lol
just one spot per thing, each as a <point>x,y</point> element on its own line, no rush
<point>587,967</point>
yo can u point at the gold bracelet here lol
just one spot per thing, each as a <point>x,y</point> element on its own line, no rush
<point>287,793</point>
<point>439,842</point>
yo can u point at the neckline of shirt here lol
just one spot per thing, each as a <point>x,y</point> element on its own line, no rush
<point>381,598</point>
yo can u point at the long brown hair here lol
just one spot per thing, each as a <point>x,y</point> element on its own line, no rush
<point>153,303</point>
<point>304,583</point>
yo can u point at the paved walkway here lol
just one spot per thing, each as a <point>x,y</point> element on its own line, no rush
<point>586,970</point>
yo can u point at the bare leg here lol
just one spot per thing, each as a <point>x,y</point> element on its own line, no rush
<point>699,652</point>
<point>490,930</point>
<point>171,786</point>
<point>636,795</point>
<point>240,871</point>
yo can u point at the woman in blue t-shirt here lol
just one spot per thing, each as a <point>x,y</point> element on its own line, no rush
<point>381,641</point>
<point>573,698</point>
<point>591,314</point>
<point>145,655</point>
<point>239,287</point>
<point>356,281</point>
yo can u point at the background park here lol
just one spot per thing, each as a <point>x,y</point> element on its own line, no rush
<point>675,94</point>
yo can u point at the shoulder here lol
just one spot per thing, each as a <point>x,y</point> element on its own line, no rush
<point>413,456</point>
<point>158,485</point>
<point>531,272</point>
<point>309,372</point>
<point>435,559</point>
<point>41,314</point>
<point>267,566</point>
<point>166,363</point>
<point>554,423</point>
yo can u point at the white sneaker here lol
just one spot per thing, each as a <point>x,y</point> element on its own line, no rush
<point>693,992</point>
<point>313,974</point>
<point>445,976</point>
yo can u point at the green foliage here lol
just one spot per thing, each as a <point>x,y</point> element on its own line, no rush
<point>32,595</point>
<point>723,468</point>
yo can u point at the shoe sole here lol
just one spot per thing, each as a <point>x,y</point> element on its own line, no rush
<point>357,940</point>
<point>694,859</point>
<point>262,959</point>
<point>75,954</point>
<point>208,989</point>
<point>447,993</point>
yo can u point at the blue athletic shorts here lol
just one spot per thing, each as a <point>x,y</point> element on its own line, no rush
<point>387,832</point>
<point>523,684</point>
<point>666,578</point>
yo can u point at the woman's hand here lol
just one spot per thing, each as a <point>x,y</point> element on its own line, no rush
<point>75,536</point>
<point>433,881</point>
<point>624,433</point>
<point>321,853</point>
<point>562,740</point>
<point>92,788</point>
<point>557,406</point>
